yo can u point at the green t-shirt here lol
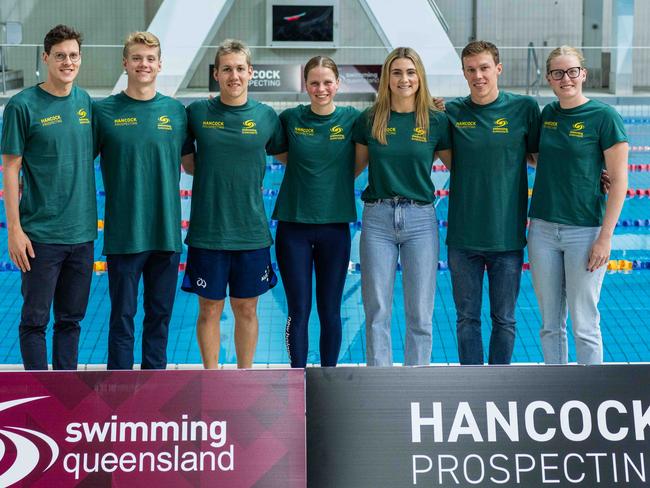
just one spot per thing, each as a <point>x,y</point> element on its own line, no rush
<point>54,137</point>
<point>318,184</point>
<point>230,161</point>
<point>140,143</point>
<point>567,180</point>
<point>488,189</point>
<point>402,167</point>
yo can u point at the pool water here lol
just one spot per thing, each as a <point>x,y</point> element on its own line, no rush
<point>624,306</point>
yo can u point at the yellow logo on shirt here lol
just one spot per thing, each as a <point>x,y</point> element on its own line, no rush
<point>391,131</point>
<point>164,123</point>
<point>124,121</point>
<point>419,134</point>
<point>577,130</point>
<point>466,124</point>
<point>83,116</point>
<point>213,124</point>
<point>249,127</point>
<point>550,124</point>
<point>51,120</point>
<point>500,126</point>
<point>336,133</point>
<point>303,131</point>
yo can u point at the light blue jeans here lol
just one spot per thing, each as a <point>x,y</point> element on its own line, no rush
<point>558,257</point>
<point>392,230</point>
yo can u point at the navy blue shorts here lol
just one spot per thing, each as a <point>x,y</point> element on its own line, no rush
<point>247,274</point>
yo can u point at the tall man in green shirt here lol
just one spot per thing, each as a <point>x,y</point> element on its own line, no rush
<point>47,135</point>
<point>229,239</point>
<point>139,134</point>
<point>492,133</point>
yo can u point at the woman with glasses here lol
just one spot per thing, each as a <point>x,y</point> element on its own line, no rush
<point>572,222</point>
<point>397,138</point>
<point>314,208</point>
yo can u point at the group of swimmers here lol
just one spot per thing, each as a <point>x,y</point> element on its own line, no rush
<point>53,131</point>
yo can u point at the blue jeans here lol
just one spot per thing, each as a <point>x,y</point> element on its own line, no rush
<point>558,260</point>
<point>504,276</point>
<point>303,250</point>
<point>392,230</point>
<point>159,270</point>
<point>61,273</point>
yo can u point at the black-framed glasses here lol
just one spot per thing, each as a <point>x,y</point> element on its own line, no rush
<point>558,74</point>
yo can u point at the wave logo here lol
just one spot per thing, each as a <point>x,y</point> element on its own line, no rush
<point>28,453</point>
<point>249,127</point>
<point>577,129</point>
<point>500,126</point>
<point>336,133</point>
<point>83,116</point>
<point>164,123</point>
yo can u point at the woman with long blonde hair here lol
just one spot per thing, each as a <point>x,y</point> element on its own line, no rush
<point>397,138</point>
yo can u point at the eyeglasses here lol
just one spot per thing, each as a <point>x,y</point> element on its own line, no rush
<point>558,74</point>
<point>61,57</point>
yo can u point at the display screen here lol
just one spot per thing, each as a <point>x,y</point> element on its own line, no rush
<point>303,23</point>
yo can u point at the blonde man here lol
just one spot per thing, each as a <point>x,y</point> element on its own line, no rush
<point>139,134</point>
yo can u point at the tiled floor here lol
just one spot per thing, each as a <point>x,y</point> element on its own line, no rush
<point>625,301</point>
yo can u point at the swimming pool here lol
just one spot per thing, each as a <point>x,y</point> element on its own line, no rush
<point>625,301</point>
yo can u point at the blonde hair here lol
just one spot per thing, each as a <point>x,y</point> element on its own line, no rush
<point>145,38</point>
<point>230,46</point>
<point>380,111</point>
<point>564,51</point>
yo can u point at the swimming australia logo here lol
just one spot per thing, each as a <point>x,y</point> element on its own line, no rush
<point>51,120</point>
<point>391,131</point>
<point>336,133</point>
<point>83,116</point>
<point>419,134</point>
<point>500,126</point>
<point>466,124</point>
<point>28,446</point>
<point>213,124</point>
<point>125,121</point>
<point>577,130</point>
<point>164,123</point>
<point>201,283</point>
<point>303,131</point>
<point>249,127</point>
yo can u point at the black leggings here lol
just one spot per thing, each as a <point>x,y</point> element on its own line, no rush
<point>326,249</point>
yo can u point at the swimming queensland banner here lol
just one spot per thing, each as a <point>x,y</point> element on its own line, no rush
<point>508,426</point>
<point>153,428</point>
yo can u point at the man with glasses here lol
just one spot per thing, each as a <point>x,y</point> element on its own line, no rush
<point>492,133</point>
<point>47,134</point>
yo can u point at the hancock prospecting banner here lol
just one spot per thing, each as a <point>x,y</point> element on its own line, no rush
<point>497,426</point>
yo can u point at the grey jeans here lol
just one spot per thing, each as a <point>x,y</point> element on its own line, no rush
<point>558,256</point>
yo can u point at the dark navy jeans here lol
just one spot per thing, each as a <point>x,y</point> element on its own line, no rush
<point>159,270</point>
<point>300,250</point>
<point>60,273</point>
<point>504,277</point>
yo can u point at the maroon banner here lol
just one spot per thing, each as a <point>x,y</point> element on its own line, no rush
<point>153,428</point>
